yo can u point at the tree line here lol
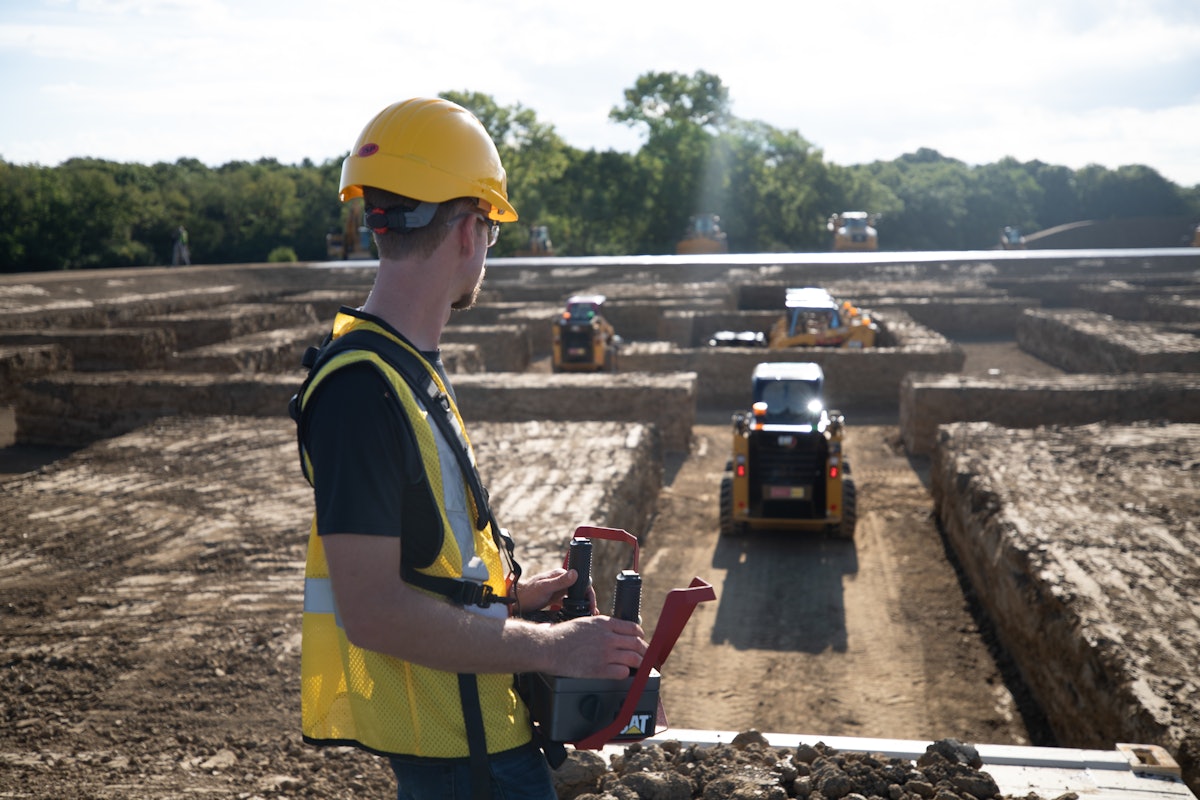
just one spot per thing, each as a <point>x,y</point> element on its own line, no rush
<point>772,189</point>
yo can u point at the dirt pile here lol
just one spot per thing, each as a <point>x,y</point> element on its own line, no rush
<point>749,767</point>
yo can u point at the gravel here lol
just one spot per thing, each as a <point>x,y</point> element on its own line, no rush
<point>749,767</point>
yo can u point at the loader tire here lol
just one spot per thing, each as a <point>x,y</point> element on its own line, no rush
<point>845,528</point>
<point>726,510</point>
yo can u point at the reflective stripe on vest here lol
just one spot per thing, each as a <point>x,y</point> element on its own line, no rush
<point>318,597</point>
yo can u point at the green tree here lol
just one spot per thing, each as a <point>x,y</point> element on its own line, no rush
<point>1130,191</point>
<point>606,202</point>
<point>102,202</point>
<point>772,188</point>
<point>665,100</point>
<point>682,116</point>
<point>31,200</point>
<point>1000,194</point>
<point>932,191</point>
<point>1059,200</point>
<point>774,201</point>
<point>320,210</point>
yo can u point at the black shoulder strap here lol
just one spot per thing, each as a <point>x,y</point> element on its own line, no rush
<point>481,773</point>
<point>437,403</point>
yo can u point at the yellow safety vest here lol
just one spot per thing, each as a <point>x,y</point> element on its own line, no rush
<point>353,696</point>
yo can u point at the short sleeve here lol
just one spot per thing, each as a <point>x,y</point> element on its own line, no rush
<point>362,453</point>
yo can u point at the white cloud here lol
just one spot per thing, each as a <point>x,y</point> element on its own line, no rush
<point>1105,81</point>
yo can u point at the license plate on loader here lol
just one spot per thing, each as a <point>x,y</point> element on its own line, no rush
<point>786,492</point>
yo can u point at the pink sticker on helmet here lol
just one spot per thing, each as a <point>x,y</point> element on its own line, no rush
<point>368,149</point>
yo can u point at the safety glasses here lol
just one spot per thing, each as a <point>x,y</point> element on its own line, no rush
<point>493,234</point>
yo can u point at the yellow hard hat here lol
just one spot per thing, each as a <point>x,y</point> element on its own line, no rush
<point>431,150</point>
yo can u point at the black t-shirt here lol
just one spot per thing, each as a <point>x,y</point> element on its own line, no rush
<point>367,471</point>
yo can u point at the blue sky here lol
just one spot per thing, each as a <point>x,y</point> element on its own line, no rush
<point>1067,82</point>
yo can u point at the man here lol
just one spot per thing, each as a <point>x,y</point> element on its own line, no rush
<point>179,252</point>
<point>412,627</point>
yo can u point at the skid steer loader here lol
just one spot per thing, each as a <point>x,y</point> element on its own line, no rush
<point>583,340</point>
<point>788,470</point>
<point>813,318</point>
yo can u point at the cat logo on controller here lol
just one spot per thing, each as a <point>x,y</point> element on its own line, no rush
<point>639,725</point>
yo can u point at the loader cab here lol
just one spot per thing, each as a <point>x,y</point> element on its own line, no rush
<point>583,307</point>
<point>539,243</point>
<point>1011,238</point>
<point>811,310</point>
<point>790,392</point>
<point>703,235</point>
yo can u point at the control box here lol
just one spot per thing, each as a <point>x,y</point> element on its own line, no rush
<point>571,709</point>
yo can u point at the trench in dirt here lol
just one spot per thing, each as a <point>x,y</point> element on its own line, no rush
<point>813,635</point>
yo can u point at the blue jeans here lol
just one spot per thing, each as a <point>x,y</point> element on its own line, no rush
<point>520,774</point>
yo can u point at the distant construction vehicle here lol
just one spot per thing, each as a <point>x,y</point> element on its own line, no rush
<point>853,231</point>
<point>353,243</point>
<point>539,243</point>
<point>703,236</point>
<point>583,340</point>
<point>1011,238</point>
<point>813,318</point>
<point>788,470</point>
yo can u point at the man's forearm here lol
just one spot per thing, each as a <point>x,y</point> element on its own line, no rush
<point>434,633</point>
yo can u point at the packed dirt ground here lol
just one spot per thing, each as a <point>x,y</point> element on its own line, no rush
<point>159,656</point>
<point>118,683</point>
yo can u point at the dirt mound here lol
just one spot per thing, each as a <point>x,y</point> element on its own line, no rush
<point>749,767</point>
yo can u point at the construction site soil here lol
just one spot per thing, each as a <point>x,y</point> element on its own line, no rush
<point>150,589</point>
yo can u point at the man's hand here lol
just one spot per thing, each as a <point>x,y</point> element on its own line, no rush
<point>548,588</point>
<point>595,647</point>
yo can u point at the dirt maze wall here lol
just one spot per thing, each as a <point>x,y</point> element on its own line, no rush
<point>1071,501</point>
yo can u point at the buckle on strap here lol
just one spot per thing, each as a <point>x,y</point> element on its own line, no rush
<point>471,593</point>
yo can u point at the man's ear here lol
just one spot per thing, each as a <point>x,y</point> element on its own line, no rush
<point>464,229</point>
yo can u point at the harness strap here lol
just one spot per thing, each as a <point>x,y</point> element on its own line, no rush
<point>463,592</point>
<point>481,774</point>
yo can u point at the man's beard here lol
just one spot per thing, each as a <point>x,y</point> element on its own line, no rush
<point>468,299</point>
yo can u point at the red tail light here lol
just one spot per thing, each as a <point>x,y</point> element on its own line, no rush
<point>741,470</point>
<point>833,472</point>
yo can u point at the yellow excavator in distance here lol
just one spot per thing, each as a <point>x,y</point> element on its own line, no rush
<point>703,235</point>
<point>853,231</point>
<point>539,243</point>
<point>354,242</point>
